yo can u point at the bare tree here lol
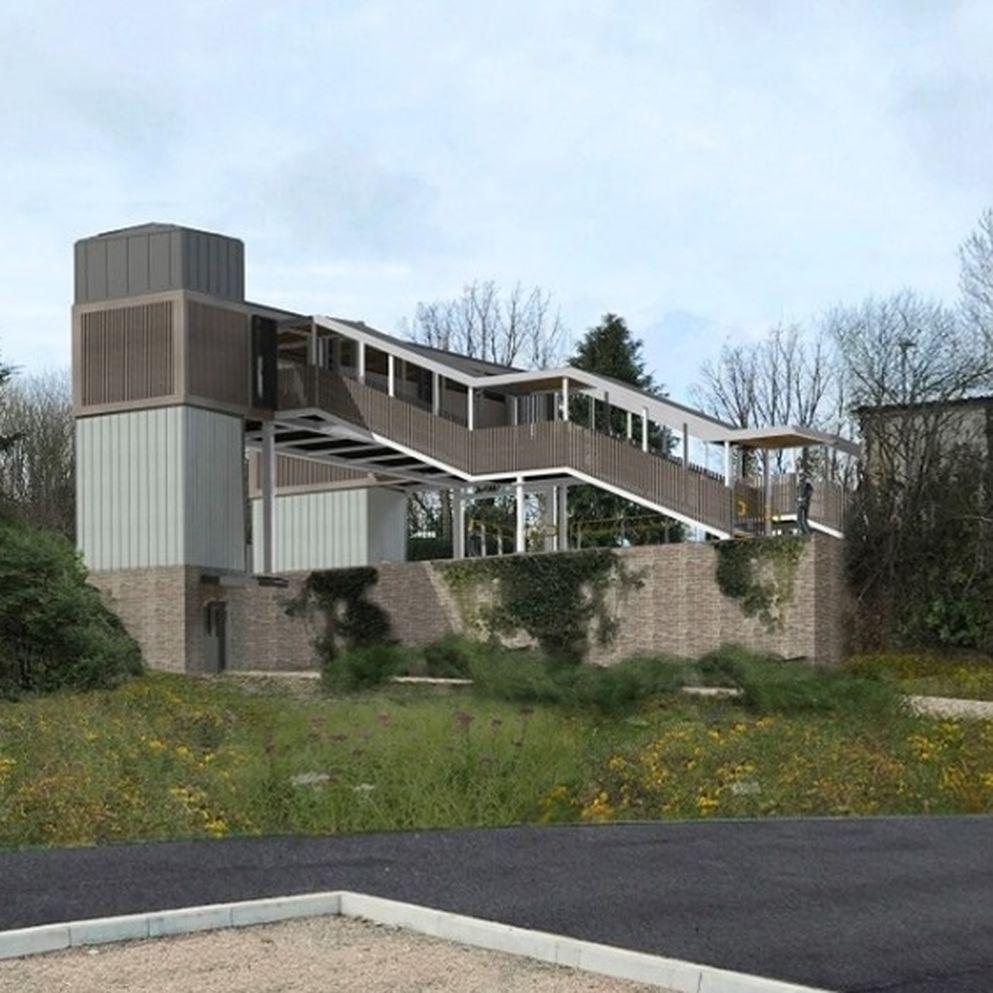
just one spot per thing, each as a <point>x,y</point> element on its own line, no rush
<point>786,378</point>
<point>517,328</point>
<point>976,275</point>
<point>920,540</point>
<point>37,468</point>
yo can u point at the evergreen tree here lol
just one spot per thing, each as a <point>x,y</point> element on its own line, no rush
<point>598,517</point>
<point>610,349</point>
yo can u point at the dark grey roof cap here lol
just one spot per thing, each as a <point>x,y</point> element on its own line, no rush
<point>155,257</point>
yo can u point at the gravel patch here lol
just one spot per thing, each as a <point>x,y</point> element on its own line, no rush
<point>318,955</point>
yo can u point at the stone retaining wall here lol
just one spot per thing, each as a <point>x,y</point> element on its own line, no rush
<point>677,608</point>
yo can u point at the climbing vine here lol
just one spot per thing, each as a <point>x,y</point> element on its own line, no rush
<point>760,573</point>
<point>556,599</point>
<point>351,619</point>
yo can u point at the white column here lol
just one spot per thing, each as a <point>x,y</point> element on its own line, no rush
<point>686,445</point>
<point>391,375</point>
<point>458,523</point>
<point>267,475</point>
<point>551,496</point>
<point>435,393</point>
<point>630,426</point>
<point>519,543</point>
<point>565,398</point>
<point>360,372</point>
<point>644,429</point>
<point>470,407</point>
<point>728,478</point>
<point>515,414</point>
<point>562,510</point>
<point>767,489</point>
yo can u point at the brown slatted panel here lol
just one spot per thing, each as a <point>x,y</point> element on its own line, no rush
<point>219,353</point>
<point>127,354</point>
<point>292,471</point>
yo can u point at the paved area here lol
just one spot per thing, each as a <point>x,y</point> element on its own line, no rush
<point>323,955</point>
<point>902,905</point>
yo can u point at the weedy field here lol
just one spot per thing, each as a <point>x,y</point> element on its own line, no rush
<point>168,756</point>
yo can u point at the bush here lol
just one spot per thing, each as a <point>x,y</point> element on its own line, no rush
<point>55,631</point>
<point>618,688</point>
<point>364,667</point>
<point>451,657</point>
<point>519,676</point>
<point>526,677</point>
<point>773,685</point>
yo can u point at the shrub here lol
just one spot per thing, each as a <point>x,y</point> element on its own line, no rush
<point>524,676</point>
<point>617,688</point>
<point>363,667</point>
<point>55,631</point>
<point>773,685</point>
<point>451,657</point>
<point>521,676</point>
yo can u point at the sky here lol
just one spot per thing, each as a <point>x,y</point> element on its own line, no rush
<point>704,169</point>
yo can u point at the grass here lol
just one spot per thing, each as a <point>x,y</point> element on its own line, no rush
<point>168,756</point>
<point>964,675</point>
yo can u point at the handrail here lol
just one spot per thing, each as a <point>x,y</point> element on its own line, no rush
<point>699,495</point>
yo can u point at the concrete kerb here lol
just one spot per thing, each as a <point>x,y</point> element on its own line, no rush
<point>588,956</point>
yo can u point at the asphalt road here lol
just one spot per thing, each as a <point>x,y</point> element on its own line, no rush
<point>903,905</point>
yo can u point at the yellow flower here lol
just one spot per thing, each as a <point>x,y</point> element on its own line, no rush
<point>155,745</point>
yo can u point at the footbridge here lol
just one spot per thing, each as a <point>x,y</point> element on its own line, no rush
<point>371,404</point>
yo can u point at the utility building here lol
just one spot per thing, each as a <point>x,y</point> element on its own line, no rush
<point>223,444</point>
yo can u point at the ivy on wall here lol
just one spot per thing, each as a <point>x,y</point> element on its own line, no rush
<point>556,599</point>
<point>351,619</point>
<point>760,573</point>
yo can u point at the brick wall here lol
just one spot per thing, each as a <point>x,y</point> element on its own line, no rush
<point>678,608</point>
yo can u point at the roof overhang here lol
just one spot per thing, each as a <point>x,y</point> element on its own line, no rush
<point>782,436</point>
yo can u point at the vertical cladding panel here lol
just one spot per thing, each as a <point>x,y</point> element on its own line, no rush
<point>160,487</point>
<point>138,265</point>
<point>159,261</point>
<point>96,270</point>
<point>117,267</point>
<point>387,525</point>
<point>326,530</point>
<point>214,496</point>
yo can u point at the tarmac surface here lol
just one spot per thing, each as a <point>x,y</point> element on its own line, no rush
<point>902,905</point>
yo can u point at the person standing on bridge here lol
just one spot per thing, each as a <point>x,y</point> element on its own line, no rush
<point>803,494</point>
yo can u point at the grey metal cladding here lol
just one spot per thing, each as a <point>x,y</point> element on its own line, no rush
<point>153,258</point>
